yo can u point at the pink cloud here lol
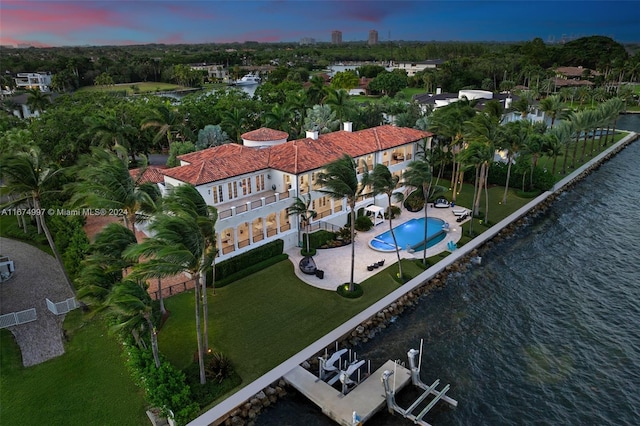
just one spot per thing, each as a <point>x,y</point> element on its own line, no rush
<point>58,18</point>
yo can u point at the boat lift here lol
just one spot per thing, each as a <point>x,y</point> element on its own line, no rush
<point>429,390</point>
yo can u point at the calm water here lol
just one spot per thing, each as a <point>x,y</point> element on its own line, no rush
<point>546,332</point>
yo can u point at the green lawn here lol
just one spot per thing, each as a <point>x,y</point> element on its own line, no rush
<point>264,319</point>
<point>88,385</point>
<point>131,88</point>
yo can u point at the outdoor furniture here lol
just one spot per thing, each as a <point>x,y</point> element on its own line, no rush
<point>320,273</point>
<point>308,265</point>
<point>459,211</point>
<point>441,203</point>
<point>381,262</point>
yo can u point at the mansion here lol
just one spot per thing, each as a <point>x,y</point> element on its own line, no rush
<point>253,185</point>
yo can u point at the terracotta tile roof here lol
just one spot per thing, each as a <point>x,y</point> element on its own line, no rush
<point>212,167</point>
<point>295,157</point>
<point>151,174</point>
<point>264,134</point>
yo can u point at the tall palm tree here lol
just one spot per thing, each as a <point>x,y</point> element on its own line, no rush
<point>580,123</point>
<point>181,242</point>
<point>383,182</point>
<point>516,135</point>
<point>280,117</point>
<point>339,180</point>
<point>107,130</point>
<point>551,106</point>
<point>27,178</point>
<point>105,183</point>
<point>301,208</point>
<point>419,175</point>
<point>557,138</point>
<point>133,306</point>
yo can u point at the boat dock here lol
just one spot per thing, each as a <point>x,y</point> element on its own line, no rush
<point>365,399</point>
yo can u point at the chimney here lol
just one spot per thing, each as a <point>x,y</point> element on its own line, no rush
<point>347,126</point>
<point>312,134</point>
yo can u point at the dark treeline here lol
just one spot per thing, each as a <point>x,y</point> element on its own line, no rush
<point>75,67</point>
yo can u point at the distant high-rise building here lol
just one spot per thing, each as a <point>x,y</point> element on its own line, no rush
<point>307,40</point>
<point>373,37</point>
<point>336,37</point>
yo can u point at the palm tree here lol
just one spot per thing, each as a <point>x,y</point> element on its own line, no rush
<point>383,182</point>
<point>301,208</point>
<point>580,124</point>
<point>280,117</point>
<point>181,243</point>
<point>557,138</point>
<point>134,308</point>
<point>37,101</point>
<point>316,91</point>
<point>234,122</point>
<point>340,103</point>
<point>110,132</point>
<point>28,178</point>
<point>516,135</point>
<point>551,106</point>
<point>167,120</point>
<point>419,175</point>
<point>105,183</point>
<point>340,180</point>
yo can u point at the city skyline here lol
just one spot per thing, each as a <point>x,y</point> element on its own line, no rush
<point>78,23</point>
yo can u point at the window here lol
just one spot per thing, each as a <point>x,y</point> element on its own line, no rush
<point>233,190</point>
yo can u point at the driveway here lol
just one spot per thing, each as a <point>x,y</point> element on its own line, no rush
<point>37,276</point>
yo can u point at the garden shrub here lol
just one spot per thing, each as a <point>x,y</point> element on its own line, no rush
<point>165,387</point>
<point>415,201</point>
<point>363,223</point>
<point>343,290</point>
<point>395,212</point>
<point>251,269</point>
<point>245,260</point>
<point>320,238</point>
<point>220,374</point>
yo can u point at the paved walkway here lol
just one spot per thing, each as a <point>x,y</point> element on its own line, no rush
<point>37,277</point>
<point>336,262</point>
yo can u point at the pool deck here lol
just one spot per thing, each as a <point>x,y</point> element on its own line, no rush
<point>336,262</point>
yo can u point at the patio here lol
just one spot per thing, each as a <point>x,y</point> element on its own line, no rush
<point>336,262</point>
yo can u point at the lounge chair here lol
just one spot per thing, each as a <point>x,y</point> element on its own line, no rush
<point>462,217</point>
<point>459,211</point>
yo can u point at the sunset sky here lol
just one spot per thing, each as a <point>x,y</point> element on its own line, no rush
<point>116,22</point>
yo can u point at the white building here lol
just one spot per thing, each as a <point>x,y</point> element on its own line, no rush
<point>414,67</point>
<point>252,187</point>
<point>34,80</point>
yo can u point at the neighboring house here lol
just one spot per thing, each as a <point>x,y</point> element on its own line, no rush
<point>20,108</point>
<point>214,71</point>
<point>574,77</point>
<point>34,80</point>
<point>430,101</point>
<point>252,187</point>
<point>414,67</point>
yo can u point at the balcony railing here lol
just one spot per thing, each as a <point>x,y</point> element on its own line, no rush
<point>251,204</point>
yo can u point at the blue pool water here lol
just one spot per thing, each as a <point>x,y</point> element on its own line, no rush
<point>411,234</point>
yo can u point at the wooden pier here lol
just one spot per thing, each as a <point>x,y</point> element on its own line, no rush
<point>366,398</point>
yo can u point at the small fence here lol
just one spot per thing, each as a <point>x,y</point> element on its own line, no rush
<point>173,289</point>
<point>17,318</point>
<point>63,307</point>
<point>323,225</point>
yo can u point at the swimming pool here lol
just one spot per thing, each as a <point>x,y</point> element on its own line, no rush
<point>411,234</point>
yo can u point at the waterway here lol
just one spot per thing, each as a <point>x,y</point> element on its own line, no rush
<point>545,332</point>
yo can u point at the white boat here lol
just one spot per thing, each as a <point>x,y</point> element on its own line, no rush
<point>248,80</point>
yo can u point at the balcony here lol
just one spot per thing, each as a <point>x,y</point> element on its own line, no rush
<point>251,202</point>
